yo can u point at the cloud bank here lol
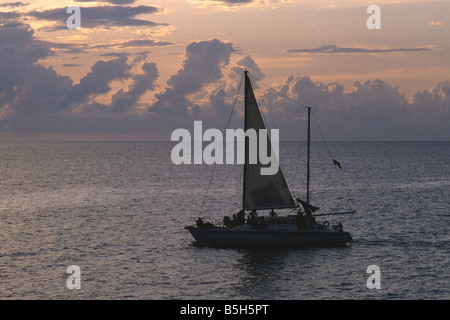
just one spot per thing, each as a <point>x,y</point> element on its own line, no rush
<point>371,110</point>
<point>36,101</point>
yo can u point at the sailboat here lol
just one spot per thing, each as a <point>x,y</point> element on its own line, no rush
<point>269,192</point>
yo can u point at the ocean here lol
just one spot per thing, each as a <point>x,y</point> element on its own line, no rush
<point>117,210</point>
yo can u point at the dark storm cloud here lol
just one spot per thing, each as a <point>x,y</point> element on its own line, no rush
<point>333,49</point>
<point>96,17</point>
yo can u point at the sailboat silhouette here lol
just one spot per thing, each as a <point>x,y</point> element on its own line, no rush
<point>269,192</point>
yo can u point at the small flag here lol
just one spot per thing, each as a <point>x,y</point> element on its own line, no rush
<point>336,163</point>
<point>307,206</point>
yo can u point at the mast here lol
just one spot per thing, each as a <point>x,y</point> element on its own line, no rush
<point>246,156</point>
<point>307,161</point>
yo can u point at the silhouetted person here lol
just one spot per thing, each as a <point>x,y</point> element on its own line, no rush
<point>240,217</point>
<point>252,218</point>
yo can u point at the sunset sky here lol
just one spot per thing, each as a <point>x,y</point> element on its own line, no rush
<point>139,69</point>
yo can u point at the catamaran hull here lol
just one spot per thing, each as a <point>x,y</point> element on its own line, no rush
<point>235,237</point>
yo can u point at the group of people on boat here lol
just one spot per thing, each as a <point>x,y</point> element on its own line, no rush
<point>258,222</point>
<point>303,218</point>
<point>238,219</point>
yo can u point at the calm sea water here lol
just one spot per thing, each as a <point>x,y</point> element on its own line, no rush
<point>118,210</point>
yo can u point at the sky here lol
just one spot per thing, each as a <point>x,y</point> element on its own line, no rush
<point>138,69</point>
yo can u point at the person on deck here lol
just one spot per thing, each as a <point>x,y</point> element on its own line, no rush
<point>240,219</point>
<point>252,218</point>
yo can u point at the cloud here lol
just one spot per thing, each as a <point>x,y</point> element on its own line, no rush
<point>13,4</point>
<point>109,1</point>
<point>247,63</point>
<point>123,101</point>
<point>371,110</point>
<point>135,43</point>
<point>99,17</point>
<point>97,81</point>
<point>19,51</point>
<point>232,2</point>
<point>236,4</point>
<point>221,2</point>
<point>27,89</point>
<point>220,98</point>
<point>94,17</point>
<point>203,65</point>
<point>333,49</point>
<point>78,48</point>
<point>36,100</point>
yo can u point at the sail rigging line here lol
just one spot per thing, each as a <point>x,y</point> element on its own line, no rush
<point>286,97</point>
<point>215,164</point>
<point>305,106</point>
<point>282,95</point>
<point>331,156</point>
<point>290,99</point>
